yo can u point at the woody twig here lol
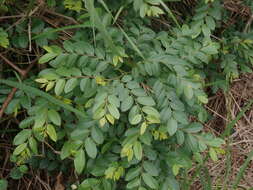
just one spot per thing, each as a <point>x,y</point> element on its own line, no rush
<point>23,74</point>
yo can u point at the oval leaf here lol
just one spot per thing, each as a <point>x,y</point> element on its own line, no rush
<point>172,126</point>
<point>59,87</point>
<point>150,181</point>
<point>138,150</point>
<point>146,101</point>
<point>90,148</point>
<point>127,103</point>
<point>79,161</point>
<point>54,117</point>
<point>113,111</point>
<point>22,136</point>
<point>136,119</point>
<point>51,132</point>
<point>70,85</point>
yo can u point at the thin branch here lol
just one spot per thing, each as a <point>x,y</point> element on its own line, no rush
<point>29,35</point>
<point>216,113</point>
<point>247,26</point>
<point>242,141</point>
<point>12,93</point>
<point>7,101</point>
<point>245,117</point>
<point>22,72</point>
<point>61,15</point>
<point>55,151</point>
<point>11,16</point>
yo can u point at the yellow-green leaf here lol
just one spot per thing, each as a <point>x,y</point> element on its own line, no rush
<point>113,110</point>
<point>213,154</point>
<point>51,132</point>
<point>143,128</point>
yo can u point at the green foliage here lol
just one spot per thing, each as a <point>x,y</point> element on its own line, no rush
<point>3,184</point>
<point>4,41</point>
<point>124,101</point>
<point>18,172</point>
<point>75,5</point>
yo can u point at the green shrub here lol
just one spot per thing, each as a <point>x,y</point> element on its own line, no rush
<point>125,101</point>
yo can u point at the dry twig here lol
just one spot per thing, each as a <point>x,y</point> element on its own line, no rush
<point>12,93</point>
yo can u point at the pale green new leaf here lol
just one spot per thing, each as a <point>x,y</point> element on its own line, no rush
<point>47,57</point>
<point>4,41</point>
<point>132,173</point>
<point>213,154</point>
<point>22,136</point>
<point>19,149</point>
<point>150,168</point>
<point>51,132</point>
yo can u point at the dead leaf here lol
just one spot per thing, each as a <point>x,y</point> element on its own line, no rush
<point>58,184</point>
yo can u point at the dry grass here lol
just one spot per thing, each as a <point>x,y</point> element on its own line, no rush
<point>241,140</point>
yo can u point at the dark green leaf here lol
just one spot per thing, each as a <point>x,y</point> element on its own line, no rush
<point>134,183</point>
<point>193,128</point>
<point>150,168</point>
<point>3,184</point>
<point>132,173</point>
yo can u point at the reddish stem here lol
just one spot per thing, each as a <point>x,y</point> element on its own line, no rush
<point>7,101</point>
<point>22,72</point>
<point>12,93</point>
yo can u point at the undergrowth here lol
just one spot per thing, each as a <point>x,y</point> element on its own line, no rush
<point>116,89</point>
